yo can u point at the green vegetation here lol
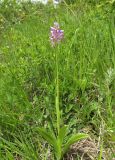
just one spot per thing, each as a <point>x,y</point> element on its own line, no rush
<point>39,100</point>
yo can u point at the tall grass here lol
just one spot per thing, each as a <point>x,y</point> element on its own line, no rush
<point>86,76</point>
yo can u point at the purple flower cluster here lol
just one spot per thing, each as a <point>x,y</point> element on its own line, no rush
<point>56,34</point>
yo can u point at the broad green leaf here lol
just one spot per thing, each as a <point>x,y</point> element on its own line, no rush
<point>60,139</point>
<point>74,139</point>
<point>62,134</point>
<point>49,137</point>
<point>9,155</point>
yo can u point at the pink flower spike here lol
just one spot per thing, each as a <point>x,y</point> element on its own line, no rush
<point>56,34</point>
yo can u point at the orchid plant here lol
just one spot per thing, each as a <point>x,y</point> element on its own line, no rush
<point>59,140</point>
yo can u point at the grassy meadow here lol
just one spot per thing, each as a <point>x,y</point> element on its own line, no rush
<point>46,90</point>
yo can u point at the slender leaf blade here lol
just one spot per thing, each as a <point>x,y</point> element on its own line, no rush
<point>73,139</point>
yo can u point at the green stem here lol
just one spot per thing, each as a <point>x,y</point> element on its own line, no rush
<point>57,95</point>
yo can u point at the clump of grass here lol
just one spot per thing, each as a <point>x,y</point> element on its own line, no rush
<point>27,83</point>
